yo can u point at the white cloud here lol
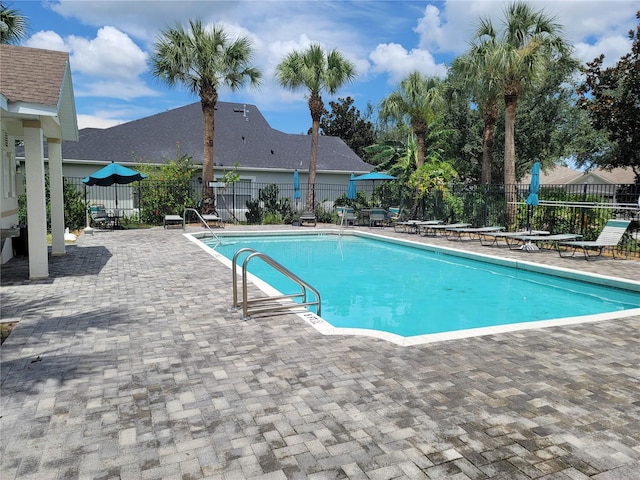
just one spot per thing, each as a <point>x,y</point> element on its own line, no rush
<point>430,28</point>
<point>612,47</point>
<point>117,89</point>
<point>384,39</point>
<point>100,121</point>
<point>396,61</point>
<point>112,54</point>
<point>48,40</point>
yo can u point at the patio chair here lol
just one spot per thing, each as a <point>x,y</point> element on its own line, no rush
<point>394,214</point>
<point>377,217</point>
<point>609,237</point>
<point>347,217</point>
<point>99,215</point>
<point>308,217</point>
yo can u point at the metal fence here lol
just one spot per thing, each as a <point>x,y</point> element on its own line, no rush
<point>582,209</point>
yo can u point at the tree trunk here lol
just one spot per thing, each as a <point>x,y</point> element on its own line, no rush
<point>315,108</point>
<point>490,116</point>
<point>208,102</point>
<point>420,129</point>
<point>510,104</point>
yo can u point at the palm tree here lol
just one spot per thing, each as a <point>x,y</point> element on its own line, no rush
<point>418,102</point>
<point>316,71</point>
<point>525,49</point>
<point>204,60</point>
<point>13,26</point>
<point>478,73</point>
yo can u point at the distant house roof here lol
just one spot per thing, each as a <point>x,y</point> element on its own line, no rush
<point>242,135</point>
<point>561,175</point>
<point>36,83</point>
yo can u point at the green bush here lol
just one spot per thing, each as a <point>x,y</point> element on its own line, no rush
<point>73,204</point>
<point>167,189</point>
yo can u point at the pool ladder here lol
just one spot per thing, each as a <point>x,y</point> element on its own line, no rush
<point>274,303</point>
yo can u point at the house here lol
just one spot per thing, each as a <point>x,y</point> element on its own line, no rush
<point>561,175</point>
<point>614,186</point>
<point>37,107</point>
<point>243,137</point>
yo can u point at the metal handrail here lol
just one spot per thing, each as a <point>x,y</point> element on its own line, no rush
<point>304,286</point>
<point>204,222</point>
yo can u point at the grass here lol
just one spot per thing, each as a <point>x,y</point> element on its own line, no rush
<point>5,330</point>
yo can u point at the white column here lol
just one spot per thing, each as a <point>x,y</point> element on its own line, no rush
<point>36,205</point>
<point>56,196</point>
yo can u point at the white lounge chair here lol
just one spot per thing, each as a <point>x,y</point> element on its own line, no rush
<point>431,229</point>
<point>531,243</point>
<point>456,233</point>
<point>609,237</point>
<point>489,239</point>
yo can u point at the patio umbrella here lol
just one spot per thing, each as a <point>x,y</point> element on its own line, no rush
<point>534,188</point>
<point>373,177</point>
<point>114,173</point>
<point>352,193</point>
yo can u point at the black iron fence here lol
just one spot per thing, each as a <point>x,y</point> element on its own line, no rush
<point>582,209</point>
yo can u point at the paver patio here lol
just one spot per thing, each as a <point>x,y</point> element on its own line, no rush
<point>127,363</point>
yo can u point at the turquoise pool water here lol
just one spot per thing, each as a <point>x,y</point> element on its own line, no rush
<point>370,284</point>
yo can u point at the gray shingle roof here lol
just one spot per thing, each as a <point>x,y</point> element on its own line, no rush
<point>37,83</point>
<point>32,75</point>
<point>241,135</point>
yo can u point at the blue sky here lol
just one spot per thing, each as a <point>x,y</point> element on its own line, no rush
<point>109,43</point>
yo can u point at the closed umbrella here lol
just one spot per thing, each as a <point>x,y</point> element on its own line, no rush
<point>534,188</point>
<point>352,192</point>
<point>296,184</point>
<point>296,188</point>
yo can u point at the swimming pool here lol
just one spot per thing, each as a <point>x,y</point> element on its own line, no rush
<point>405,291</point>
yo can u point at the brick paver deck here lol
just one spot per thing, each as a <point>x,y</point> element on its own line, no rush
<point>127,363</point>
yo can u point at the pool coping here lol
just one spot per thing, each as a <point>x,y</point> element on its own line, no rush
<point>325,328</point>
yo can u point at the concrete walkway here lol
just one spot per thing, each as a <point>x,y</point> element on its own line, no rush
<point>128,364</point>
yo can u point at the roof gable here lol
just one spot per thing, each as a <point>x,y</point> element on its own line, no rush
<point>36,82</point>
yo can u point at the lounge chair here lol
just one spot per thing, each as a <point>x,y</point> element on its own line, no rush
<point>489,239</point>
<point>412,226</point>
<point>308,217</point>
<point>456,233</point>
<point>170,220</point>
<point>213,220</point>
<point>609,237</point>
<point>531,243</point>
<point>426,229</point>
